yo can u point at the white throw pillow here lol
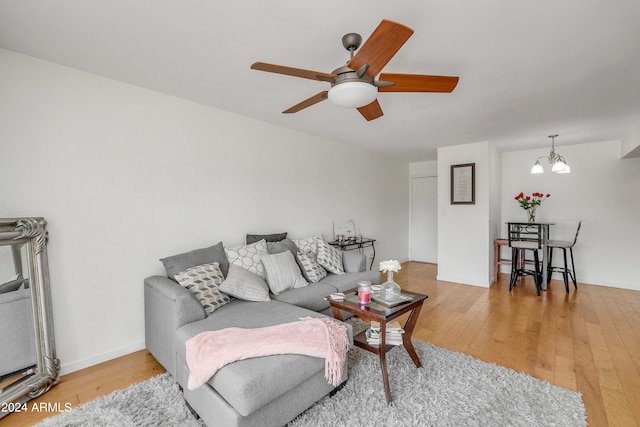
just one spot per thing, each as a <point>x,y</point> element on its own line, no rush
<point>330,257</point>
<point>309,243</point>
<point>204,281</point>
<point>282,272</point>
<point>248,256</point>
<point>313,271</point>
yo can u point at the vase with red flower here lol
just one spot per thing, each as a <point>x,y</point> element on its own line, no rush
<point>530,203</point>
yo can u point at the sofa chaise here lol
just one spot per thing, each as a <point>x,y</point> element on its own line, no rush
<point>262,391</point>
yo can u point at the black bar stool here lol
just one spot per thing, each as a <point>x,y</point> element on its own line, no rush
<point>566,272</point>
<point>523,237</point>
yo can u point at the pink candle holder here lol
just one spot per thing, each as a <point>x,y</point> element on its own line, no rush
<point>364,292</point>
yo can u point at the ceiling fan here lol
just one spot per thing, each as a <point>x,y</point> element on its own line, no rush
<point>354,85</point>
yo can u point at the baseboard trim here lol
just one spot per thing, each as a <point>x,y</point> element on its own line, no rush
<point>85,363</point>
<point>464,281</point>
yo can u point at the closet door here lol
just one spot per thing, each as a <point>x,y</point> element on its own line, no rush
<point>424,219</point>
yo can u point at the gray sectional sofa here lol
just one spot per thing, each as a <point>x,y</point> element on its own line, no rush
<point>263,391</point>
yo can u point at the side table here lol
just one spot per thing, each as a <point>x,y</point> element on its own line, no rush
<point>383,314</point>
<point>363,242</point>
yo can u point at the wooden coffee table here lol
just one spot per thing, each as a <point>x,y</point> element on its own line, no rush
<point>383,314</point>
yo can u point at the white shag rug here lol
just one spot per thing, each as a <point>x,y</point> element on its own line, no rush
<point>450,389</point>
<point>154,402</point>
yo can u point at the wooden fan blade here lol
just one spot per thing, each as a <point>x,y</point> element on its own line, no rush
<point>380,47</point>
<point>418,83</point>
<point>371,111</point>
<point>296,72</point>
<point>318,97</point>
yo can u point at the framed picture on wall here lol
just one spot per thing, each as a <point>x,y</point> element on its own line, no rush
<point>463,184</point>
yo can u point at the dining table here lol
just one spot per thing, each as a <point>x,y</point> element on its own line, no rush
<point>544,226</point>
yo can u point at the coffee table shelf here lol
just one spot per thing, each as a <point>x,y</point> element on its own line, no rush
<point>360,340</point>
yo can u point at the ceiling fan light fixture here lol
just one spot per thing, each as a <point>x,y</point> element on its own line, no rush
<point>354,84</point>
<point>353,94</point>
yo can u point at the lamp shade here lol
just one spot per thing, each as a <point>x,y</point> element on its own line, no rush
<point>353,94</point>
<point>566,169</point>
<point>558,166</point>
<point>537,168</point>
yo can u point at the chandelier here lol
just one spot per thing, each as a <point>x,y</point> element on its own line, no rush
<point>557,162</point>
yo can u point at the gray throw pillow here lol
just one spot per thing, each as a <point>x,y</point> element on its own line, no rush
<point>178,263</point>
<point>245,285</point>
<point>282,272</point>
<point>282,246</point>
<point>252,238</point>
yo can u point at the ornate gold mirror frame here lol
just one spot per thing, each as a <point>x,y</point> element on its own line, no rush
<point>23,251</point>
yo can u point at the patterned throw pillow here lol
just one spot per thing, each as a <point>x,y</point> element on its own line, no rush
<point>204,281</point>
<point>248,257</point>
<point>330,257</point>
<point>309,243</point>
<point>312,271</point>
<point>282,272</point>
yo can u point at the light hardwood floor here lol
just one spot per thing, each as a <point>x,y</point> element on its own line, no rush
<point>588,340</point>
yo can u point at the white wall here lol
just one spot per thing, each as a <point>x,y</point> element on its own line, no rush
<point>630,146</point>
<point>464,230</point>
<point>603,190</point>
<point>422,169</point>
<point>495,202</point>
<point>125,176</point>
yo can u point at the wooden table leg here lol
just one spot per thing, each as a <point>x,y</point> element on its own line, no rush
<point>336,313</point>
<point>408,331</point>
<point>383,360</point>
<point>385,376</point>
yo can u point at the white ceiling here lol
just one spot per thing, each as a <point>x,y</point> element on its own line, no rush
<point>527,68</point>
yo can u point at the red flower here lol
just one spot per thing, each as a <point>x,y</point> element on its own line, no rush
<point>529,202</point>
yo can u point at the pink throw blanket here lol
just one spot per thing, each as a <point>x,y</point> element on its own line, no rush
<point>207,352</point>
